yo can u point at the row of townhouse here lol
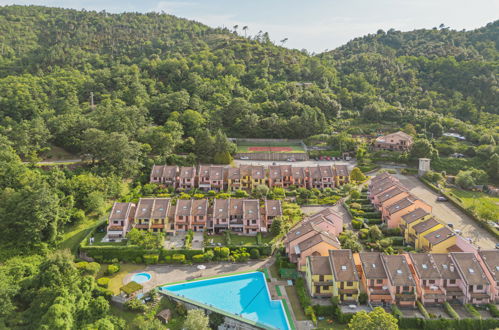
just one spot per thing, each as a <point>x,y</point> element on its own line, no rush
<point>244,216</point>
<point>215,177</point>
<point>401,209</point>
<point>313,236</point>
<point>432,278</point>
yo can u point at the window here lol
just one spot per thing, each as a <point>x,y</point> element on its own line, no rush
<point>321,278</point>
<point>349,295</point>
<point>349,283</point>
<point>431,281</point>
<point>452,281</point>
<point>405,288</point>
<point>325,287</point>
<point>479,287</point>
<point>379,281</point>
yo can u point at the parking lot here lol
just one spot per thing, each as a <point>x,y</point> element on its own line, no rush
<point>449,213</point>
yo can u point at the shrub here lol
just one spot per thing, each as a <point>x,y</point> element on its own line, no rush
<point>323,310</point>
<point>309,311</point>
<point>392,231</point>
<point>374,221</point>
<point>423,310</point>
<point>357,206</point>
<point>363,298</point>
<point>493,310</point>
<point>88,268</point>
<point>112,269</point>
<point>151,259</point>
<point>254,253</point>
<point>138,260</point>
<point>208,255</point>
<point>178,258</point>
<point>396,312</point>
<point>397,240</point>
<point>357,224</point>
<point>135,305</point>
<point>228,239</point>
<point>259,238</point>
<point>302,293</point>
<point>450,311</point>
<point>198,258</point>
<point>472,310</point>
<point>103,282</point>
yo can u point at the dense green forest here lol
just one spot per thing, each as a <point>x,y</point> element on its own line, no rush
<point>166,89</point>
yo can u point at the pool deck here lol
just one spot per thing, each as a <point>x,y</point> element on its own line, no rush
<point>165,274</point>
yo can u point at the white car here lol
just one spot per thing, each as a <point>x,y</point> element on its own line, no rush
<point>244,158</point>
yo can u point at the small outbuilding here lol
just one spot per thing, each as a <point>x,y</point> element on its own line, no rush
<point>164,316</point>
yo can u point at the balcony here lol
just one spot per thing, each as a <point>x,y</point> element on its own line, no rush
<point>405,296</point>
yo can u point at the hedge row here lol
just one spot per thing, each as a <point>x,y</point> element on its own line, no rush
<point>437,324</point>
<point>264,250</point>
<point>131,253</point>
<point>450,311</point>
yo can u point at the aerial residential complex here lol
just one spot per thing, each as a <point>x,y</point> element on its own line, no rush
<point>245,216</point>
<point>400,209</point>
<point>247,177</point>
<point>432,278</point>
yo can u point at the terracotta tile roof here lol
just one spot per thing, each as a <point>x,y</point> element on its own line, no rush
<point>491,260</point>
<point>236,207</point>
<point>211,172</point>
<point>251,208</point>
<point>258,172</point>
<point>399,134</point>
<point>439,235</point>
<point>469,268</point>
<point>160,208</point>
<point>380,177</point>
<point>317,239</point>
<point>275,172</point>
<point>233,173</point>
<point>392,192</point>
<point>401,204</point>
<point>398,271</point>
<point>319,265</point>
<point>200,207</point>
<point>343,265</point>
<point>414,215</point>
<point>221,208</point>
<point>300,230</point>
<point>144,208</point>
<point>164,171</point>
<point>187,172</point>
<point>326,171</point>
<point>425,266</point>
<point>342,170</point>
<point>120,211</point>
<point>446,266</point>
<point>425,225</point>
<point>383,186</point>
<point>314,172</point>
<point>184,207</point>
<point>273,208</point>
<point>372,265</point>
<point>299,172</point>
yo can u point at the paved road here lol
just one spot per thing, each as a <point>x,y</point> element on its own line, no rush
<point>449,213</point>
<point>351,164</point>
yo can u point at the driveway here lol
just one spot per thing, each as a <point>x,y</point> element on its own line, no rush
<point>449,213</point>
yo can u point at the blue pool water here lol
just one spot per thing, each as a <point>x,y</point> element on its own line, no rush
<point>141,277</point>
<point>246,295</point>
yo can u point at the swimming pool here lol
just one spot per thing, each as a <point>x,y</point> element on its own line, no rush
<point>141,277</point>
<point>245,295</point>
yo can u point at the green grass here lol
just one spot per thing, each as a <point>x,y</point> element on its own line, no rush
<point>274,271</point>
<point>324,324</point>
<point>237,240</point>
<point>116,281</point>
<point>75,233</point>
<point>483,203</point>
<point>295,304</point>
<point>128,316</point>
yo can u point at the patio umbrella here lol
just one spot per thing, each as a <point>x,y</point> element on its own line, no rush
<point>201,268</point>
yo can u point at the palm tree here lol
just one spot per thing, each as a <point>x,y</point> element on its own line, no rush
<point>283,41</point>
<point>236,27</point>
<point>245,28</point>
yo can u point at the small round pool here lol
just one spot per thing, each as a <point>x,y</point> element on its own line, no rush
<point>141,277</point>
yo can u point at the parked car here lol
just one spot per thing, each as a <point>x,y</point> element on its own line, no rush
<point>328,158</point>
<point>457,231</point>
<point>441,199</point>
<point>450,225</point>
<point>497,245</point>
<point>291,160</point>
<point>244,158</point>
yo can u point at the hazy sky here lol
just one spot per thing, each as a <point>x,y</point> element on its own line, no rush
<point>315,25</point>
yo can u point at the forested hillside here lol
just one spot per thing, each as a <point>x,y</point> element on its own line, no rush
<point>129,90</point>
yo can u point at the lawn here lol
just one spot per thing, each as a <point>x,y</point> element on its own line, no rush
<point>116,281</point>
<point>75,233</point>
<point>237,240</point>
<point>486,206</point>
<point>324,324</point>
<point>128,316</point>
<point>295,304</point>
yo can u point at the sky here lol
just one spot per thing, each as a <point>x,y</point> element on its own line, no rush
<point>314,25</point>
